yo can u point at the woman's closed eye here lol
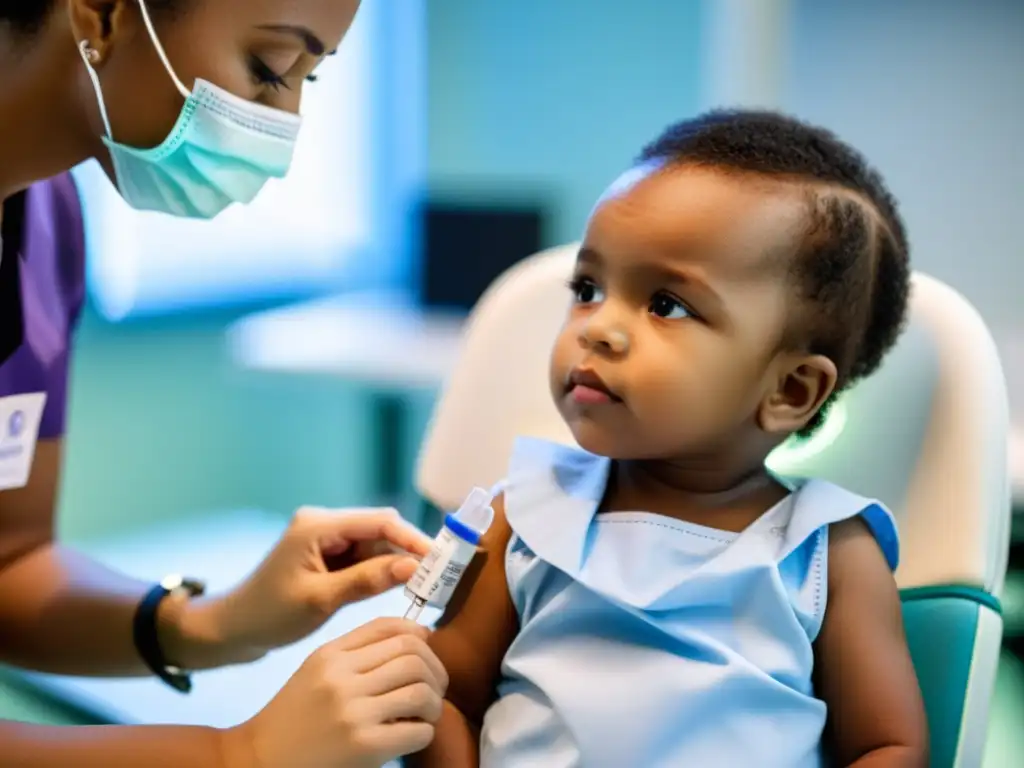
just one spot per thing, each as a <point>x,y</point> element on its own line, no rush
<point>265,75</point>
<point>586,291</point>
<point>668,307</point>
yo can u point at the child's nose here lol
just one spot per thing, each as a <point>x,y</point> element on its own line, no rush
<point>602,334</point>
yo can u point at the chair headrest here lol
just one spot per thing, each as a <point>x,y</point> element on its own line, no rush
<point>927,434</point>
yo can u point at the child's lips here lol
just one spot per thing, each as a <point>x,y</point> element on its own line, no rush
<point>586,387</point>
<point>585,395</point>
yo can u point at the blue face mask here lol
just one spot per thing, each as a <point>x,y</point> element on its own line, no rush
<point>222,150</point>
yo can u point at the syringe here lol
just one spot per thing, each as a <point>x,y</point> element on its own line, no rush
<point>435,581</point>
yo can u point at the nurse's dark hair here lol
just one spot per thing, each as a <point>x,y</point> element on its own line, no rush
<point>26,17</point>
<point>851,266</point>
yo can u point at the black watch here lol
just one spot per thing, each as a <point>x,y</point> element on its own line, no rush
<point>144,629</point>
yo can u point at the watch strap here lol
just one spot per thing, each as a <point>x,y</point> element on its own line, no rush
<point>145,630</point>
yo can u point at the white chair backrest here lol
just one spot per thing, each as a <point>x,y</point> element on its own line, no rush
<point>927,434</point>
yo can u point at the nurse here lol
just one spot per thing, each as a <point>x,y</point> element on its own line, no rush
<point>189,105</point>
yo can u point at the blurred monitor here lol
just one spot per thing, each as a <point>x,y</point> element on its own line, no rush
<point>467,245</point>
<point>341,220</point>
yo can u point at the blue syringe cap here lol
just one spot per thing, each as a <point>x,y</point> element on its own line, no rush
<point>473,518</point>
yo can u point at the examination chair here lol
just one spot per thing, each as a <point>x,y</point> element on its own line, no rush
<point>927,434</point>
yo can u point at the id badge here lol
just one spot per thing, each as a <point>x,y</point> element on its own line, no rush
<point>20,417</point>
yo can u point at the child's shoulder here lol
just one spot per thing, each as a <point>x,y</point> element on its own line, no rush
<point>820,504</point>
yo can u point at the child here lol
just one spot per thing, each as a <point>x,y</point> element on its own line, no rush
<point>745,271</point>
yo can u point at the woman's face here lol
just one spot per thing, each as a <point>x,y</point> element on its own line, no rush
<point>260,50</point>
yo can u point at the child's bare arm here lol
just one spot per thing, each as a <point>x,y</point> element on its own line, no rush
<point>863,667</point>
<point>471,639</point>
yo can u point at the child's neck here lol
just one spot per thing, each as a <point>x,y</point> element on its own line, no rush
<point>729,499</point>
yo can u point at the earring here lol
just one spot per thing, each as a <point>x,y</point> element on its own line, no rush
<point>91,54</point>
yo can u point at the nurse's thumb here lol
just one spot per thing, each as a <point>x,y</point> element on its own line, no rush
<point>369,578</point>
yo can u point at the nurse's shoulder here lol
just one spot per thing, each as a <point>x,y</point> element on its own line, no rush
<point>44,257</point>
<point>54,227</point>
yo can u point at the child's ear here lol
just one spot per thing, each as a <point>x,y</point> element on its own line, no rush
<point>803,385</point>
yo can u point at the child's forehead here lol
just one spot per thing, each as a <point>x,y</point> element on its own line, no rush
<point>731,221</point>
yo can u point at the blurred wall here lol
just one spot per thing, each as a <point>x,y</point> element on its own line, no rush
<point>162,426</point>
<point>933,92</point>
<point>554,98</point>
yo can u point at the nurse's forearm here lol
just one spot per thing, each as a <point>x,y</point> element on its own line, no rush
<point>64,613</point>
<point>121,746</point>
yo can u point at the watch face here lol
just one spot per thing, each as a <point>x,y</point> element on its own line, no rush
<point>171,582</point>
<point>175,581</point>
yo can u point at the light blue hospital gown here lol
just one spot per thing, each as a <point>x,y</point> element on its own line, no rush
<point>647,642</point>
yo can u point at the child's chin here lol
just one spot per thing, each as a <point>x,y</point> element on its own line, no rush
<point>599,441</point>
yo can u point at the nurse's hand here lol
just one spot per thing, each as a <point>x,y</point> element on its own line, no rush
<point>360,701</point>
<point>326,559</point>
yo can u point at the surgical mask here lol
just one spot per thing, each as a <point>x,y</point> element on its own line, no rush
<point>222,149</point>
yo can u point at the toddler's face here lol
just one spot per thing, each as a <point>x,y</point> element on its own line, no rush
<point>673,345</point>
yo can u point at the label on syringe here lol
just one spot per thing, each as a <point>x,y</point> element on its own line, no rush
<point>439,572</point>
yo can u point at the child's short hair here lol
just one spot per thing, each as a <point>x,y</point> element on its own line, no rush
<point>852,268</point>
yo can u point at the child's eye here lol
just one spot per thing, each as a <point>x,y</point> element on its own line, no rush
<point>586,290</point>
<point>668,307</point>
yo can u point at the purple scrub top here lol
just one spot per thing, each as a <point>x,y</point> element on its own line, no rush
<point>44,267</point>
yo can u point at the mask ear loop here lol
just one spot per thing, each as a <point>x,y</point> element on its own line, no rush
<point>160,50</point>
<point>90,55</point>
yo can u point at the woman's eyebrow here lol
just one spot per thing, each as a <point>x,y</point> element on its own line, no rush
<point>313,43</point>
